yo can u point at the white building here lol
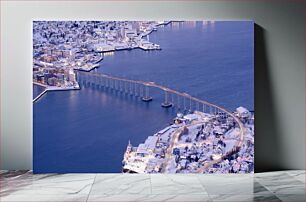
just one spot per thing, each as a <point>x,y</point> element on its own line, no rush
<point>243,112</point>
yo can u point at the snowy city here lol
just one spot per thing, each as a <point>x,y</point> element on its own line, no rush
<point>60,47</point>
<point>197,143</point>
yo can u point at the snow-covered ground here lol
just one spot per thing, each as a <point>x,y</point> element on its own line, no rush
<point>194,141</point>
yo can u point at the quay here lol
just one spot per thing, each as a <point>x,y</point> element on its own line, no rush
<point>53,88</point>
<point>87,68</point>
<point>38,96</point>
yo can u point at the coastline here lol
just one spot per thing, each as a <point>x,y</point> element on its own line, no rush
<point>53,88</point>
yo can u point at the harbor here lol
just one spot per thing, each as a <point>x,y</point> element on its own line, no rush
<point>53,88</point>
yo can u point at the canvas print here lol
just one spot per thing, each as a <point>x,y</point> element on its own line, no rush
<point>143,96</point>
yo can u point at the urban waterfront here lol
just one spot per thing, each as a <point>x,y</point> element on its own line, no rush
<point>88,130</point>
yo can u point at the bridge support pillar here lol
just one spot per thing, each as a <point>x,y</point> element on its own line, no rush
<point>125,87</point>
<point>110,83</point>
<point>166,103</point>
<point>131,88</point>
<point>190,104</point>
<point>121,86</point>
<point>135,89</point>
<point>140,90</point>
<point>147,97</point>
<point>172,99</point>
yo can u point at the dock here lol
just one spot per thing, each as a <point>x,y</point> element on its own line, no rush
<point>40,95</point>
<point>55,88</point>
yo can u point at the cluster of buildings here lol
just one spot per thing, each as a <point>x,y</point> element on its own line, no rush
<point>60,47</point>
<point>193,142</point>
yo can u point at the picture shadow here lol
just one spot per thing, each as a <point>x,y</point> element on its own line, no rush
<point>268,152</point>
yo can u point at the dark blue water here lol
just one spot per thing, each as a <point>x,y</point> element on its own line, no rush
<point>37,90</point>
<point>88,130</point>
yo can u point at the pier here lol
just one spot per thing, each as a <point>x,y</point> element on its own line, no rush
<point>39,96</point>
<point>188,102</point>
<point>53,88</point>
